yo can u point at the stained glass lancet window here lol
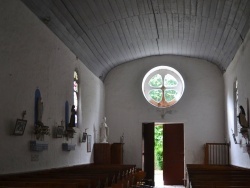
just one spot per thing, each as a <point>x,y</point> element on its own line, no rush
<point>76,95</point>
<point>163,86</point>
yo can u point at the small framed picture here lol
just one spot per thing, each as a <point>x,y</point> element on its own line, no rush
<point>88,143</point>
<point>20,127</point>
<point>84,137</point>
<point>59,131</point>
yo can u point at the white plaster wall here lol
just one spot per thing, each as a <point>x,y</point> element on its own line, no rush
<point>33,57</point>
<point>239,69</point>
<point>201,108</point>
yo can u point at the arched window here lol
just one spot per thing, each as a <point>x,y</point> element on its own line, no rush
<point>236,108</point>
<point>76,95</point>
<point>163,86</point>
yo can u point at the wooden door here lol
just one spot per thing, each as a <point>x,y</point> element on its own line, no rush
<point>148,150</point>
<point>173,154</point>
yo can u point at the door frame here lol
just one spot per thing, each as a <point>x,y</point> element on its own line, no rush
<point>143,146</point>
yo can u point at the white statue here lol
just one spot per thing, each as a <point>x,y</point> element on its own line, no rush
<point>104,131</point>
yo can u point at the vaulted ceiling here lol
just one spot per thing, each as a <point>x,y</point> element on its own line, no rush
<point>106,33</point>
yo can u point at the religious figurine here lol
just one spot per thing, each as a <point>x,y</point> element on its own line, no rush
<point>39,111</point>
<point>242,118</point>
<point>40,128</point>
<point>72,122</point>
<point>243,123</point>
<point>104,131</point>
<point>122,138</point>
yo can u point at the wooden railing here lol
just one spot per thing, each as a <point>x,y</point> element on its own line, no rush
<point>216,153</point>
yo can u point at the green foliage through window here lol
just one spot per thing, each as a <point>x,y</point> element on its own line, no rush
<point>159,147</point>
<point>170,81</point>
<point>156,81</point>
<point>163,86</point>
<point>170,95</point>
<point>156,94</point>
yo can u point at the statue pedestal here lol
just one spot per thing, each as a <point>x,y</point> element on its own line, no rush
<point>36,145</point>
<point>104,142</point>
<point>68,147</point>
<point>102,153</point>
<point>105,153</point>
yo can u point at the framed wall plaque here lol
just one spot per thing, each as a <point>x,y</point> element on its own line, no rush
<point>20,127</point>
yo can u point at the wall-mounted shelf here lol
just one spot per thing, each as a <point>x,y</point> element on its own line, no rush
<point>38,145</point>
<point>68,147</point>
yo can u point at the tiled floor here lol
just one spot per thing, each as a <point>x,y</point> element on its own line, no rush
<point>159,181</point>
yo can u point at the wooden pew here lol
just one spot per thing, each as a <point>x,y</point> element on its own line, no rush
<point>38,184</point>
<point>213,176</point>
<point>131,180</point>
<point>85,176</point>
<point>82,183</point>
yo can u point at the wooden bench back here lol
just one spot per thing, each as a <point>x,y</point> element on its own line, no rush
<point>213,176</point>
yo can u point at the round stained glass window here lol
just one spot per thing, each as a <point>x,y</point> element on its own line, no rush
<point>163,86</point>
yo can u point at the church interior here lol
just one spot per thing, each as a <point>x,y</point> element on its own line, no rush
<point>72,81</point>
